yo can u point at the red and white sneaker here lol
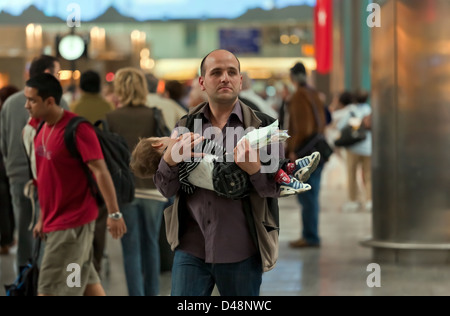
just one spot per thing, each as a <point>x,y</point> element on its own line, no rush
<point>293,187</point>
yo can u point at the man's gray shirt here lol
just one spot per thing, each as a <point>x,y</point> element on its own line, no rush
<point>13,118</point>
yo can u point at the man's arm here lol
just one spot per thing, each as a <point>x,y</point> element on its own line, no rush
<point>117,228</point>
<point>248,159</point>
<point>166,178</point>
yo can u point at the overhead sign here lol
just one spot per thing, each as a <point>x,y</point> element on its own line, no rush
<point>241,41</point>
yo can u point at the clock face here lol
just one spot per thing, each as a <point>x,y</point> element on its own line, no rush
<point>71,47</point>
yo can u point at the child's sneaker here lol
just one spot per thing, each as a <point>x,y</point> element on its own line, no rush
<point>293,187</point>
<point>305,166</point>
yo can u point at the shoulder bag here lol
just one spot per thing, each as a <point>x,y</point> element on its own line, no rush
<point>351,135</point>
<point>316,141</point>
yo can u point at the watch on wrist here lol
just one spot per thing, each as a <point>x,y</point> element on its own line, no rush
<point>116,216</point>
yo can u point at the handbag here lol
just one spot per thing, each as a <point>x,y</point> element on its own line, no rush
<point>316,141</point>
<point>26,284</point>
<point>350,136</point>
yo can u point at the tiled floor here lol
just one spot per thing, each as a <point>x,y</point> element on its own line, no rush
<point>338,268</point>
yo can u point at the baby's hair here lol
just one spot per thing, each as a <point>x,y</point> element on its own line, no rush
<point>145,159</point>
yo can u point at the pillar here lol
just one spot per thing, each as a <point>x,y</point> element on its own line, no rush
<point>411,133</point>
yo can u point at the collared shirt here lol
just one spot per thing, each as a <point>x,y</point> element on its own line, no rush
<point>215,228</point>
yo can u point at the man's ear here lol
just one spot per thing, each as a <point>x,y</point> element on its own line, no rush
<point>201,81</point>
<point>50,101</point>
<point>157,145</point>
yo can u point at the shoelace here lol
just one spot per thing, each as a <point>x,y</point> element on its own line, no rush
<point>296,184</point>
<point>303,163</point>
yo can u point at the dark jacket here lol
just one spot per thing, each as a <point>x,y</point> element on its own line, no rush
<point>302,121</point>
<point>133,123</point>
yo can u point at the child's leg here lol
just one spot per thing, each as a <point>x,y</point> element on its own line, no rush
<point>290,185</point>
<point>282,177</point>
<point>303,167</point>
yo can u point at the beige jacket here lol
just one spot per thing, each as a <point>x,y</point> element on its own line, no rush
<point>263,212</point>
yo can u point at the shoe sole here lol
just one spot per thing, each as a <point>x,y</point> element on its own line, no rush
<point>285,191</point>
<point>310,169</point>
<point>297,246</point>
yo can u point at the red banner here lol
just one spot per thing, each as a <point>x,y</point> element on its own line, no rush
<point>323,30</point>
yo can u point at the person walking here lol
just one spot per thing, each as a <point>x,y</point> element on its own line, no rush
<point>68,207</point>
<point>196,94</point>
<point>175,90</point>
<point>248,95</point>
<point>14,118</point>
<point>171,110</point>
<point>140,246</point>
<point>92,106</point>
<point>304,106</point>
<point>217,240</point>
<point>359,155</point>
<point>7,224</point>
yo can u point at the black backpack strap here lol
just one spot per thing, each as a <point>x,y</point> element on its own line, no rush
<point>70,141</point>
<point>70,135</point>
<point>103,125</point>
<point>41,124</point>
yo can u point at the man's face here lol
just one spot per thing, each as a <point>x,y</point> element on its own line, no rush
<point>35,106</point>
<point>222,80</point>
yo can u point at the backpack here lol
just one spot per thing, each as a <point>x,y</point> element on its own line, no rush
<point>26,283</point>
<point>117,157</point>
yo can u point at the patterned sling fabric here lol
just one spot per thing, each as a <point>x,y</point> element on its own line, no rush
<point>209,147</point>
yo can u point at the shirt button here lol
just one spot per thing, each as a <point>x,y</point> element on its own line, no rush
<point>208,222</point>
<point>232,184</point>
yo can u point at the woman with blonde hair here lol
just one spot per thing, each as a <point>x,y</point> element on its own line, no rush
<point>140,246</point>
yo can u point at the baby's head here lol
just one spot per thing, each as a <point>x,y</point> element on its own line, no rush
<point>147,155</point>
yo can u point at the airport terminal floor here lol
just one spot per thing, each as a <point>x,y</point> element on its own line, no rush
<point>337,268</point>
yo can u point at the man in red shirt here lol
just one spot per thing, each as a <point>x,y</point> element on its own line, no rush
<point>68,208</point>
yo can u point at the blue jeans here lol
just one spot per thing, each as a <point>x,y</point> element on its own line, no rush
<point>309,201</point>
<point>140,246</point>
<point>191,276</point>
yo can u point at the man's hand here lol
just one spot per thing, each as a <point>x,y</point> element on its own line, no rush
<point>182,148</point>
<point>247,158</point>
<point>116,228</point>
<point>37,230</point>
